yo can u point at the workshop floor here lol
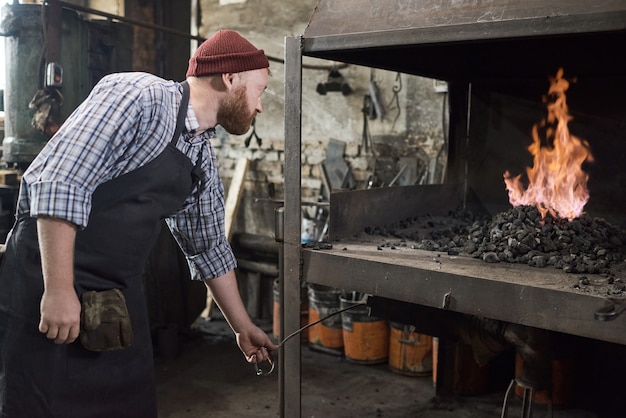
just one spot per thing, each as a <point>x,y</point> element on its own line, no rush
<point>206,376</point>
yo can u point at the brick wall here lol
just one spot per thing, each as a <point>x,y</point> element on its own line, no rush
<point>411,126</point>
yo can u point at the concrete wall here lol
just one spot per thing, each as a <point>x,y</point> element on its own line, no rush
<point>411,127</point>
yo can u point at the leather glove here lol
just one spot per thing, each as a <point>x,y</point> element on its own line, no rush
<point>105,323</point>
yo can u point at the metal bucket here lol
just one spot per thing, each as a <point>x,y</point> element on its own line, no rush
<point>410,353</point>
<point>327,335</point>
<point>365,337</point>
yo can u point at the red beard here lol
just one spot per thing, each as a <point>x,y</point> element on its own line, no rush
<point>233,114</point>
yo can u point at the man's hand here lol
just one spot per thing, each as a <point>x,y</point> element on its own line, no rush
<point>252,340</point>
<point>255,344</point>
<point>60,315</point>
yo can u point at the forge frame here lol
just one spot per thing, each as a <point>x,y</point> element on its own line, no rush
<point>496,57</point>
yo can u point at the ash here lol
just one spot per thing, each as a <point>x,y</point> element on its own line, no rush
<point>584,245</point>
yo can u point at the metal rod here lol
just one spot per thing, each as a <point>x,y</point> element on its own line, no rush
<point>505,403</point>
<point>130,21</point>
<point>467,141</point>
<point>177,32</point>
<point>310,324</point>
<point>257,366</point>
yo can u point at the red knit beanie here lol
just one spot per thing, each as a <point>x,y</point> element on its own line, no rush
<point>226,52</point>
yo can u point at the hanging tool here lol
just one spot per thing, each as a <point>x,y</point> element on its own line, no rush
<point>257,366</point>
<point>394,103</point>
<point>259,141</point>
<point>47,104</point>
<point>53,76</point>
<point>48,100</point>
<point>335,82</point>
<point>366,140</point>
<point>377,107</point>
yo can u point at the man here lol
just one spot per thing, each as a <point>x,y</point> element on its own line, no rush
<point>90,208</point>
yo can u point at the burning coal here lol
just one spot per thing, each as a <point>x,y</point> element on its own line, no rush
<point>557,184</point>
<point>520,235</point>
<point>545,228</point>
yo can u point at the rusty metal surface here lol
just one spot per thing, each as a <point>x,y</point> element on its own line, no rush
<point>538,297</point>
<point>542,298</point>
<point>467,40</point>
<point>351,211</point>
<point>333,17</point>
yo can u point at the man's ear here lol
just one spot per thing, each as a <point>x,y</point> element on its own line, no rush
<point>228,79</point>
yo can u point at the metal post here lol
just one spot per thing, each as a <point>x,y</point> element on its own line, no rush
<point>291,279</point>
<point>279,230</point>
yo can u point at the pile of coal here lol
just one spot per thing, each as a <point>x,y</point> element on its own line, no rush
<point>584,245</point>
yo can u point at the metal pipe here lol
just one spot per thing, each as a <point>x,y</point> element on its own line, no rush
<point>256,243</point>
<point>176,32</point>
<point>130,21</point>
<point>258,267</point>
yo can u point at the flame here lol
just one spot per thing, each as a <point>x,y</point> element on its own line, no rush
<point>556,182</point>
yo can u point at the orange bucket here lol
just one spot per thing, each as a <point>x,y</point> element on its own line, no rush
<point>326,336</point>
<point>304,313</point>
<point>410,353</point>
<point>365,337</point>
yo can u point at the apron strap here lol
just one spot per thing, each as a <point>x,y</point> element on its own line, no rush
<point>182,112</point>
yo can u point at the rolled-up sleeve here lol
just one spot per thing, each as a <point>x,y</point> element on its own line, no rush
<point>199,227</point>
<point>60,200</point>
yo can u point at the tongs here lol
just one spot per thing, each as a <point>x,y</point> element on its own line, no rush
<point>257,365</point>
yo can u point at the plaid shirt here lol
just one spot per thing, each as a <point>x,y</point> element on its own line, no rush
<point>127,121</point>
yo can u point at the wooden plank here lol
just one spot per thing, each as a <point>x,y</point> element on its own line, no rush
<point>234,195</point>
<point>233,199</point>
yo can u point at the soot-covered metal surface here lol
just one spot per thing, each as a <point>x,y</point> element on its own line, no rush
<point>497,56</point>
<point>512,266</point>
<point>469,40</point>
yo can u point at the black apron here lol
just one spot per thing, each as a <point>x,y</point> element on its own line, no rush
<point>41,379</point>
